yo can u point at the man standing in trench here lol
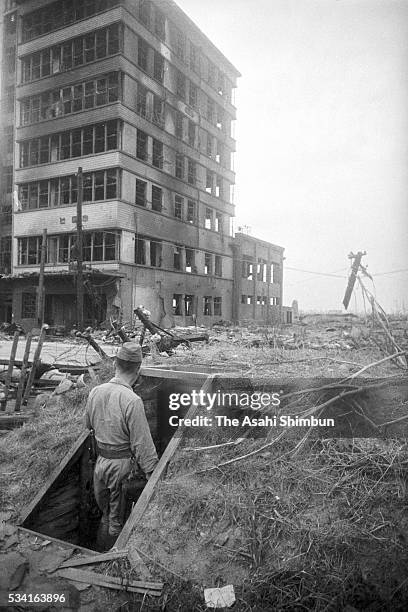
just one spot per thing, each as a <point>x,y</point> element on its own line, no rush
<point>116,414</point>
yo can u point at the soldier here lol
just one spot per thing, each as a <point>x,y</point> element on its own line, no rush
<point>116,414</point>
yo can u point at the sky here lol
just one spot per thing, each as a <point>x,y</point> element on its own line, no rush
<point>322,137</point>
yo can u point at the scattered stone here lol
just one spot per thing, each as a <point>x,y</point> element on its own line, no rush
<point>64,386</point>
<point>13,567</point>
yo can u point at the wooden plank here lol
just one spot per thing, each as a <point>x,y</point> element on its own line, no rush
<point>70,456</point>
<point>36,362</point>
<point>109,556</point>
<point>172,374</point>
<point>21,382</point>
<point>111,582</point>
<point>148,491</point>
<point>10,369</point>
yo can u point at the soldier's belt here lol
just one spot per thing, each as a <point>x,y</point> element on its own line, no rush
<point>114,454</point>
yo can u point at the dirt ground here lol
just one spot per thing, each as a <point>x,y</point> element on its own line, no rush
<point>292,523</point>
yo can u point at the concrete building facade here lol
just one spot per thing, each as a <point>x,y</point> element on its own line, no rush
<point>136,95</point>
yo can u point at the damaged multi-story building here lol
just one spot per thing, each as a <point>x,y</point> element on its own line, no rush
<point>134,94</point>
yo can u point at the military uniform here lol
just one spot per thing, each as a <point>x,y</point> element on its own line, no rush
<point>116,414</point>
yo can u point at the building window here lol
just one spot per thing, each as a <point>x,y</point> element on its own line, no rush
<point>179,166</point>
<point>250,300</point>
<point>191,133</point>
<point>157,159</point>
<point>178,207</point>
<point>207,308</point>
<point>28,305</point>
<point>193,95</point>
<point>191,172</point>
<point>10,95</point>
<point>218,222</point>
<point>180,85</point>
<point>243,299</point>
<point>141,100</point>
<point>177,258</point>
<point>140,251</point>
<point>144,12</point>
<point>141,145</point>
<point>67,100</point>
<point>179,42</point>
<point>142,54</point>
<point>57,14</point>
<point>247,269</point>
<point>159,24</point>
<point>210,110</point>
<point>218,265</point>
<point>62,191</point>
<point>158,111</point>
<point>8,178</point>
<point>191,211</point>
<point>274,301</point>
<point>188,305</point>
<point>71,54</point>
<point>276,273</point>
<point>157,196</point>
<point>141,192</point>
<point>207,264</point>
<point>194,59</point>
<point>77,143</point>
<point>218,186</point>
<point>190,263</point>
<point>158,67</point>
<point>211,74</point>
<point>208,218</point>
<point>155,253</point>
<point>217,306</point>
<point>209,145</point>
<point>179,125</point>
<point>209,181</point>
<point>177,304</point>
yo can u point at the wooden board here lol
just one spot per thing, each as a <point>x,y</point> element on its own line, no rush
<point>148,491</point>
<point>111,582</point>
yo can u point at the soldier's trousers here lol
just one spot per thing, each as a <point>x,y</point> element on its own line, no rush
<point>108,476</point>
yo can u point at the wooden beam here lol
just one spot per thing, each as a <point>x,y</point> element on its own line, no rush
<point>36,362</point>
<point>24,366</point>
<point>97,558</point>
<point>148,491</point>
<point>70,456</point>
<point>10,370</point>
<point>111,582</point>
<point>63,543</point>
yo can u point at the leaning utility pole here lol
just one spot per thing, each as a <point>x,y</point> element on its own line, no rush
<point>353,276</point>
<point>41,283</point>
<point>79,243</point>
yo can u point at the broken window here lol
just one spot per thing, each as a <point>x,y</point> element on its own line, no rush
<point>209,145</point>
<point>140,251</point>
<point>209,178</point>
<point>208,218</point>
<point>179,125</point>
<point>220,151</point>
<point>158,67</point>
<point>179,42</point>
<point>275,273</point>
<point>247,268</point>
<point>188,305</point>
<point>250,300</point>
<point>141,145</point>
<point>180,85</point>
<point>177,258</point>
<point>210,110</point>
<point>142,54</point>
<point>191,172</point>
<point>141,190</point>
<point>220,118</point>
<point>155,253</point>
<point>179,165</point>
<point>178,207</point>
<point>159,24</point>
<point>218,186</point>
<point>177,304</point>
<point>193,95</point>
<point>191,133</point>
<point>208,263</point>
<point>141,100</point>
<point>274,301</point>
<point>144,12</point>
<point>194,58</point>
<point>28,305</point>
<point>158,111</point>
<point>243,299</point>
<point>191,211</point>
<point>218,222</point>
<point>157,159</point>
<point>218,265</point>
<point>190,260</point>
<point>157,196</point>
<point>217,306</point>
<point>207,309</point>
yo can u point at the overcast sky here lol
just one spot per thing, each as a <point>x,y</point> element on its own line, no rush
<point>322,135</point>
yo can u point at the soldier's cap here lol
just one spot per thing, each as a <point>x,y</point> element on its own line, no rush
<point>130,351</point>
